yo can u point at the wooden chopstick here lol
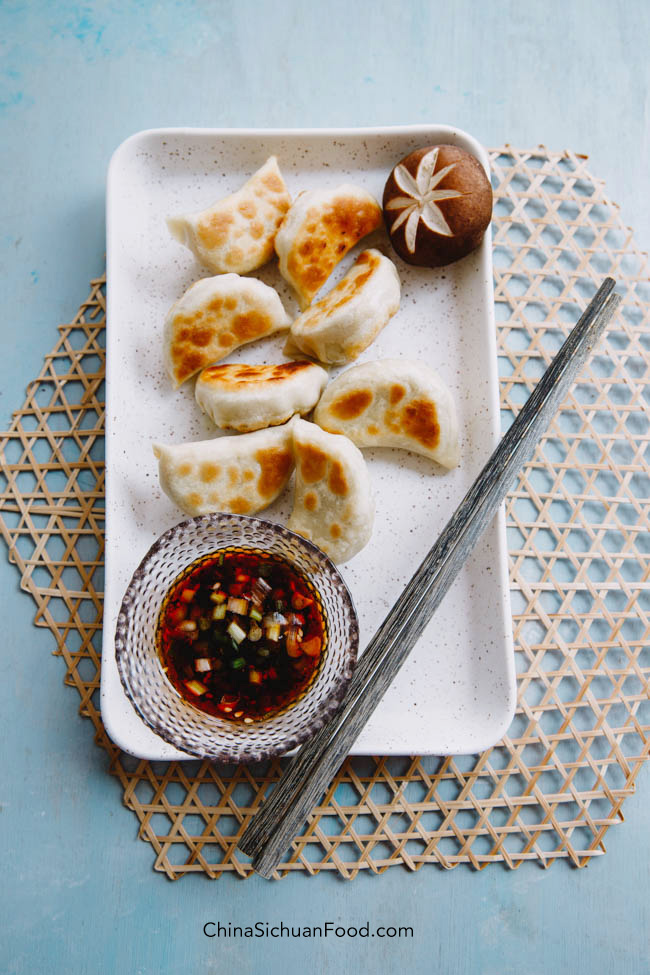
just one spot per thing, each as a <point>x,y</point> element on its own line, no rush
<point>269,834</point>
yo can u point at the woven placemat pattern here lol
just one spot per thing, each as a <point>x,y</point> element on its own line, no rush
<point>579,547</point>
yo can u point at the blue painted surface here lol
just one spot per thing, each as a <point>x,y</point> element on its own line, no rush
<point>78,893</point>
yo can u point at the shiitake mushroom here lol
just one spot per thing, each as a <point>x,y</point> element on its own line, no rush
<point>437,205</point>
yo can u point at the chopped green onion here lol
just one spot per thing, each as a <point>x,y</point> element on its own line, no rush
<point>238,606</point>
<point>218,597</point>
<point>202,664</point>
<point>187,626</point>
<point>238,663</point>
<point>274,618</point>
<point>196,687</point>
<point>236,632</point>
<point>273,632</point>
<point>279,605</point>
<point>219,612</point>
<point>204,623</point>
<point>260,590</point>
<point>255,614</point>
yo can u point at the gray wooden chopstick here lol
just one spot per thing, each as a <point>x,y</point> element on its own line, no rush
<point>269,834</point>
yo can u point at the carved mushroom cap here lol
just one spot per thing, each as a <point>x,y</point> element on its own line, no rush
<point>437,205</point>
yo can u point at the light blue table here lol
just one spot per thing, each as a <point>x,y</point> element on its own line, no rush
<point>78,892</point>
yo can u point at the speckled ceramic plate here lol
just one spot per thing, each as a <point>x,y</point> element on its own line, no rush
<point>456,693</point>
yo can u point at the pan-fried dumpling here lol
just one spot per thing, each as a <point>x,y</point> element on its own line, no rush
<point>333,504</point>
<point>237,233</point>
<point>318,231</point>
<point>241,474</point>
<point>393,403</point>
<point>214,317</point>
<point>247,397</point>
<point>344,323</point>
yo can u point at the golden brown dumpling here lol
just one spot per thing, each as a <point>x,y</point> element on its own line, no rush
<point>248,397</point>
<point>341,325</point>
<point>241,474</point>
<point>237,232</point>
<point>214,317</point>
<point>393,403</point>
<point>318,231</point>
<point>333,504</point>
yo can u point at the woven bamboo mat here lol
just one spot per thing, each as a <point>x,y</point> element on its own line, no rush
<point>579,558</point>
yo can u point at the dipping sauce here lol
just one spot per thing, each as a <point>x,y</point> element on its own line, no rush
<point>241,634</point>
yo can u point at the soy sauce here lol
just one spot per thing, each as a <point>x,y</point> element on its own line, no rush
<point>241,634</point>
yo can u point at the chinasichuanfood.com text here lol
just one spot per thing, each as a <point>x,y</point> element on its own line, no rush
<point>329,929</point>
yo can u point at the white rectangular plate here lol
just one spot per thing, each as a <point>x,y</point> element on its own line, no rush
<point>456,694</point>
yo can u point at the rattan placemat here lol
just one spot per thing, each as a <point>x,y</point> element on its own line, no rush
<point>579,548</point>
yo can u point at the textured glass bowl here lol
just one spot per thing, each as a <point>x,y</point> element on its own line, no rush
<point>155,699</point>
